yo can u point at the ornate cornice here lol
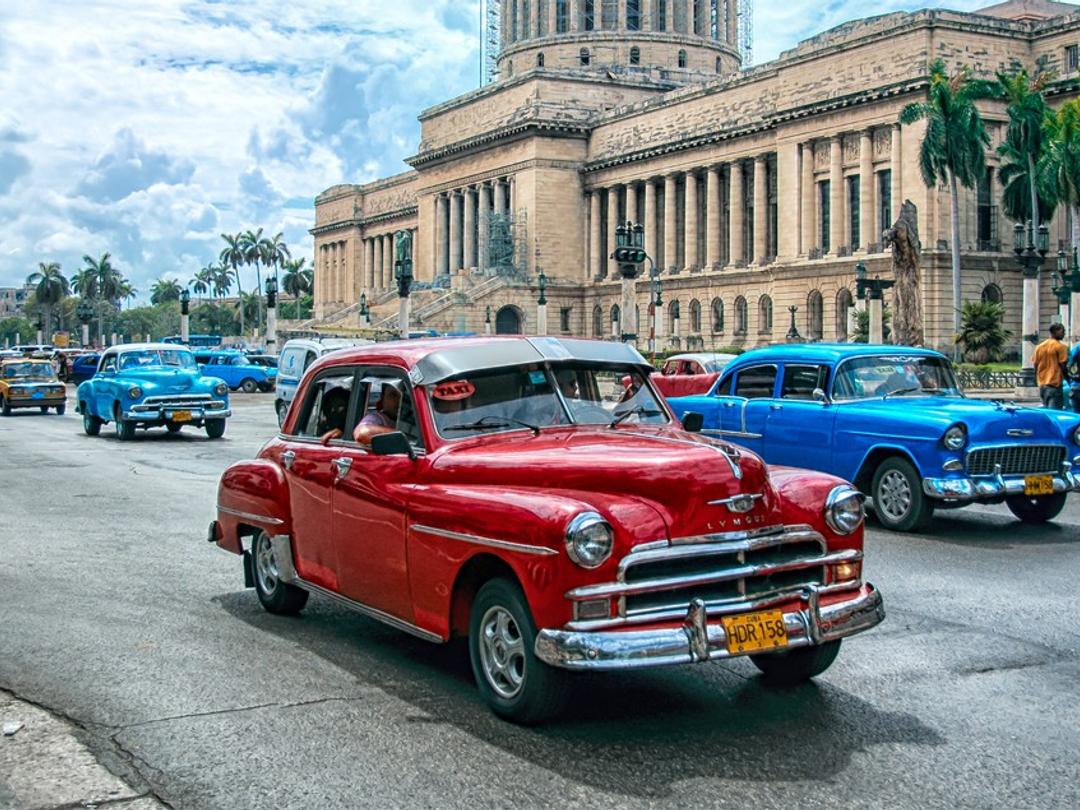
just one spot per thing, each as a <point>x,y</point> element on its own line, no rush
<point>547,128</point>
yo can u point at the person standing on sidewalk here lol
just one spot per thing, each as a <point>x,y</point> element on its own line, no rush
<point>1050,358</point>
<point>1072,373</point>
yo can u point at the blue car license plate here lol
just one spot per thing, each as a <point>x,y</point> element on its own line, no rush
<point>38,395</point>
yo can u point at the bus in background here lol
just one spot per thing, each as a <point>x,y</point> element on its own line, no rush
<point>196,341</point>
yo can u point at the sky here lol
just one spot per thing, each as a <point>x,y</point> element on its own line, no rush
<point>146,128</point>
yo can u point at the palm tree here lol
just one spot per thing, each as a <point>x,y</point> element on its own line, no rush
<point>953,149</point>
<point>233,256</point>
<point>105,282</point>
<point>51,287</point>
<point>202,280</point>
<point>165,289</point>
<point>222,280</point>
<point>1061,161</point>
<point>297,280</point>
<point>248,303</point>
<point>252,242</point>
<point>275,252</point>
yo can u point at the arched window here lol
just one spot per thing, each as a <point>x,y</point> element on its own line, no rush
<point>598,321</point>
<point>717,315</point>
<point>695,316</point>
<point>508,321</point>
<point>540,59</point>
<point>991,294</point>
<point>616,320</point>
<point>673,311</point>
<point>584,56</point>
<point>764,310</point>
<point>741,316</point>
<point>815,316</point>
<point>719,65</point>
<point>682,59</point>
<point>844,303</point>
<point>635,56</point>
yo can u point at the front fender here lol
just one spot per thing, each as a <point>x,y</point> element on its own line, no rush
<point>803,494</point>
<point>252,495</point>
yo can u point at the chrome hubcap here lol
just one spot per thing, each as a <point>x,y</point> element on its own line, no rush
<point>502,652</point>
<point>894,495</point>
<point>265,565</point>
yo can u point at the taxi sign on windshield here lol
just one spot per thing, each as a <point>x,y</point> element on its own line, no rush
<point>453,391</point>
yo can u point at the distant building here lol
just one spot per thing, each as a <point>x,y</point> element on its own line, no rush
<point>759,190</point>
<point>12,300</point>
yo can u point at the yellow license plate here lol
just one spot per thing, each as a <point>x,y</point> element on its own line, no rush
<point>1038,485</point>
<point>181,416</point>
<point>750,632</point>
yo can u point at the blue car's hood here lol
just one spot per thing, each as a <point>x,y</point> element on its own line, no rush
<point>161,379</point>
<point>986,421</point>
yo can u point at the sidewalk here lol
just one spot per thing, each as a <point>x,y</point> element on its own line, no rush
<point>43,766</point>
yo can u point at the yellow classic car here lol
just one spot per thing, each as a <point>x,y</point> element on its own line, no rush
<point>30,384</point>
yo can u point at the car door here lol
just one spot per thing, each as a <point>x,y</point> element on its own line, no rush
<point>104,385</point>
<point>755,387</point>
<point>308,457</point>
<point>371,499</point>
<point>799,431</point>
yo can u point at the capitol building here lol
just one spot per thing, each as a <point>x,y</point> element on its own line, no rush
<point>759,189</point>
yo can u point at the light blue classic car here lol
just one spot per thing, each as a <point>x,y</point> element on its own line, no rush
<point>238,372</point>
<point>892,420</point>
<point>145,385</point>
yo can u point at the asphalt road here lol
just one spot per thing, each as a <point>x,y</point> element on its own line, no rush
<point>115,613</point>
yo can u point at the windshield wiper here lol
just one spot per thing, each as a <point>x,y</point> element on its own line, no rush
<point>640,410</point>
<point>898,391</point>
<point>499,422</point>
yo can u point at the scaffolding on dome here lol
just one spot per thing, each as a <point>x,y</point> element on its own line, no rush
<point>507,245</point>
<point>490,40</point>
<point>746,32</point>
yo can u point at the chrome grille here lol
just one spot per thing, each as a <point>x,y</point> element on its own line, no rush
<point>174,401</point>
<point>1017,459</point>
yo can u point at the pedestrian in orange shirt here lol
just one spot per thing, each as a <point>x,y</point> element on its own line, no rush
<point>1050,358</point>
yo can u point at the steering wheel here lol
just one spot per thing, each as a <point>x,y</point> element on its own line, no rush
<point>588,412</point>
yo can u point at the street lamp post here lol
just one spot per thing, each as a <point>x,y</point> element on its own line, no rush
<point>656,310</point>
<point>1031,257</point>
<point>365,313</point>
<point>871,291</point>
<point>271,315</point>
<point>1067,288</point>
<point>630,255</point>
<point>675,313</point>
<point>403,275</point>
<point>487,320</point>
<point>85,313</point>
<point>793,335</point>
<point>40,331</point>
<point>185,316</point>
<point>541,304</point>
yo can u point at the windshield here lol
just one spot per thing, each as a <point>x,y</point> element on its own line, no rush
<point>542,396</point>
<point>894,376</point>
<point>180,358</point>
<point>37,371</point>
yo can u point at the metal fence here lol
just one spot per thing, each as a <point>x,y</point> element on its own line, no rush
<point>986,380</point>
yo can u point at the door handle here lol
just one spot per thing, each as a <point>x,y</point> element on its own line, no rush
<point>343,466</point>
<point>776,407</point>
<point>287,458</point>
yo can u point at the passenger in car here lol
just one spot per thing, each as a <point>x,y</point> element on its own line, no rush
<point>385,416</point>
<point>331,422</point>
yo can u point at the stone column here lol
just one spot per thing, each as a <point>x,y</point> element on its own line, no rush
<point>761,205</point>
<point>469,258</point>
<point>612,225</point>
<point>738,212</point>
<point>647,12</point>
<point>483,221</point>
<point>1074,317</point>
<point>631,202</point>
<point>363,265</point>
<point>650,220</point>
<point>867,217</point>
<point>712,217</point>
<point>809,221</point>
<point>620,21</point>
<point>596,247</point>
<point>378,251</point>
<point>574,10</point>
<point>897,191</point>
<point>371,263</point>
<point>1030,320</point>
<point>534,26</point>
<point>690,222</point>
<point>877,326</point>
<point>442,256</point>
<point>669,20</point>
<point>671,221</point>
<point>500,197</point>
<point>455,233</point>
<point>836,194</point>
<point>388,260</point>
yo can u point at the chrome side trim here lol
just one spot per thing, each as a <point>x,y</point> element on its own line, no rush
<point>273,521</point>
<point>484,541</point>
<point>283,557</point>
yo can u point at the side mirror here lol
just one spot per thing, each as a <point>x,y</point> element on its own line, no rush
<point>819,396</point>
<point>391,444</point>
<point>692,422</point>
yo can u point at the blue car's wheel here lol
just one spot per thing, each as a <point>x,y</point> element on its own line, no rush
<point>125,430</point>
<point>899,501</point>
<point>249,386</point>
<point>1036,509</point>
<point>215,428</point>
<point>91,425</point>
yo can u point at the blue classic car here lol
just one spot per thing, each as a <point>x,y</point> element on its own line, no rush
<point>238,372</point>
<point>892,420</point>
<point>144,385</point>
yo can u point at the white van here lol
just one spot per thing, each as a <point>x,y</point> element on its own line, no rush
<point>295,358</point>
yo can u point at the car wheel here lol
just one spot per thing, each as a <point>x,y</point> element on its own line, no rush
<point>172,427</point>
<point>5,406</point>
<point>125,430</point>
<point>274,595</point>
<point>795,666</point>
<point>899,501</point>
<point>516,684</point>
<point>44,408</point>
<point>215,428</point>
<point>1036,510</point>
<point>91,425</point>
<point>249,386</point>
<point>61,409</point>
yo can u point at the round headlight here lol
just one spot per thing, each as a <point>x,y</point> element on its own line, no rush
<point>1076,435</point>
<point>955,437</point>
<point>135,392</point>
<point>589,540</point>
<point>221,389</point>
<point>844,509</point>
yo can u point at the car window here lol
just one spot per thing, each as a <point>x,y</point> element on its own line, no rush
<point>374,382</point>
<point>309,359</point>
<point>756,382</point>
<point>894,375</point>
<point>800,382</point>
<point>327,406</point>
<point>109,363</point>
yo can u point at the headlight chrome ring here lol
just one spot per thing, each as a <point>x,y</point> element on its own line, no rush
<point>844,512</point>
<point>955,438</point>
<point>221,389</point>
<point>135,392</point>
<point>1076,435</point>
<point>589,540</point>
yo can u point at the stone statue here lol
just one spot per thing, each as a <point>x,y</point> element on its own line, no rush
<point>903,237</point>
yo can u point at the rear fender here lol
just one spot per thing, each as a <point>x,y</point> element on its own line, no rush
<point>253,496</point>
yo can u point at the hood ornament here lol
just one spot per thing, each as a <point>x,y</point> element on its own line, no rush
<point>1020,432</point>
<point>739,504</point>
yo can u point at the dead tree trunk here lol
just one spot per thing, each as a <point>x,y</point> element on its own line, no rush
<point>903,237</point>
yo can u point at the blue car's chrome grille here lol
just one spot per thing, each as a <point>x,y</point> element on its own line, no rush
<point>1017,459</point>
<point>176,401</point>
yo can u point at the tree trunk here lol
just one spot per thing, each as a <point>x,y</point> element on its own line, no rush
<point>903,238</point>
<point>1034,198</point>
<point>240,292</point>
<point>954,216</point>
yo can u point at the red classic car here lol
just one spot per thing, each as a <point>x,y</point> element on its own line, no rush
<point>513,491</point>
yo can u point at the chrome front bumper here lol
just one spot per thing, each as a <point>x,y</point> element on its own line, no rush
<point>990,487</point>
<point>166,414</point>
<point>699,640</point>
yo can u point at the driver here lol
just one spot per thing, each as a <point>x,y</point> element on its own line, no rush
<point>384,418</point>
<point>904,377</point>
<point>331,421</point>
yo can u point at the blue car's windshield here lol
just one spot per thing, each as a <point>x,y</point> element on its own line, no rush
<point>894,375</point>
<point>142,358</point>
